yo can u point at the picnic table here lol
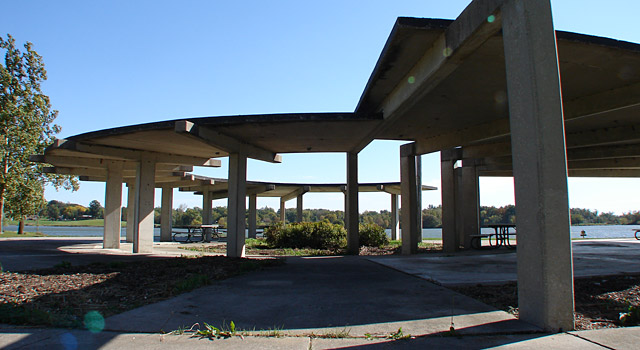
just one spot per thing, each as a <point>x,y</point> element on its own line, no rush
<point>202,233</point>
<point>500,237</point>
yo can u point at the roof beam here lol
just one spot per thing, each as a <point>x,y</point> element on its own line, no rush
<point>98,163</point>
<point>462,137</point>
<point>131,154</point>
<point>604,173</point>
<point>300,191</point>
<point>465,35</point>
<point>619,134</point>
<point>257,190</point>
<point>225,142</point>
<point>604,152</point>
<point>606,101</point>
<point>98,172</point>
<point>389,189</point>
<point>620,163</point>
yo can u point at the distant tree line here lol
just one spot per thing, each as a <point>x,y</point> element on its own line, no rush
<point>431,216</point>
<point>56,210</point>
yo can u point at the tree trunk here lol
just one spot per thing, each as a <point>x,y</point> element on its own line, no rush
<point>1,209</point>
<point>21,226</point>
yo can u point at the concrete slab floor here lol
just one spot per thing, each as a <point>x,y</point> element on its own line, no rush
<point>590,258</point>
<point>320,296</point>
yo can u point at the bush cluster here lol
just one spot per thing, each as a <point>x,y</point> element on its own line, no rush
<point>372,235</point>
<point>314,235</point>
<point>321,235</point>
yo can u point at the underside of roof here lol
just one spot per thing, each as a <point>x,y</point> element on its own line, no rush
<point>428,86</point>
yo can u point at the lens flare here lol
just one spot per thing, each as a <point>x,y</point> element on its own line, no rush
<point>491,19</point>
<point>94,321</point>
<point>68,341</point>
<point>411,79</point>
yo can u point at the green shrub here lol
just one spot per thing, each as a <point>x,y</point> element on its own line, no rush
<point>372,235</point>
<point>314,235</point>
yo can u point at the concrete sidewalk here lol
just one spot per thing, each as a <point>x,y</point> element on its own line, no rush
<point>596,257</point>
<point>309,300</point>
<point>617,338</point>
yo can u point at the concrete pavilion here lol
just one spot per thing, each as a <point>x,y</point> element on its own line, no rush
<point>485,90</point>
<point>219,188</point>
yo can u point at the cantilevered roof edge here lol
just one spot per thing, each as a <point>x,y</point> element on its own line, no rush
<point>389,49</point>
<point>390,52</point>
<point>228,120</point>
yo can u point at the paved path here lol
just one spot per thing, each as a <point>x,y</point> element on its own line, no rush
<point>590,258</point>
<point>311,295</point>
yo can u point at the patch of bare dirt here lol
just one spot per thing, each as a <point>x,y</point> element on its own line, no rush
<point>62,296</point>
<point>599,301</point>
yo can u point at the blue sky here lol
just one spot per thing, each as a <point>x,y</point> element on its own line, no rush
<point>114,63</point>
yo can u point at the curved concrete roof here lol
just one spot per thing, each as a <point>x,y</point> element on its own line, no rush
<point>431,85</point>
<point>442,92</point>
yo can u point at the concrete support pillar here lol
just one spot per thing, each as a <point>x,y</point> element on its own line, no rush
<point>166,214</point>
<point>395,218</point>
<point>411,188</point>
<point>131,211</point>
<point>545,271</point>
<point>253,215</point>
<point>450,239</point>
<point>352,216</point>
<point>113,205</point>
<point>145,191</point>
<point>283,212</point>
<point>237,205</point>
<point>470,203</point>
<point>207,217</point>
<point>299,208</point>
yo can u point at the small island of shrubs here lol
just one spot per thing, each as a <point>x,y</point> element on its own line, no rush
<point>321,235</point>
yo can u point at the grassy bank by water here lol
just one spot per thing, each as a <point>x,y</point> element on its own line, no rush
<point>77,223</point>
<point>9,234</point>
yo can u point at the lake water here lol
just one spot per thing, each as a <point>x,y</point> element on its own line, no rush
<point>603,231</point>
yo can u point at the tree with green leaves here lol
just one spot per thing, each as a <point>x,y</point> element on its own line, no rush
<point>26,128</point>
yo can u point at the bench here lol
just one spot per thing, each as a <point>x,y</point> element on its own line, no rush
<point>476,242</point>
<point>203,232</point>
<point>189,235</point>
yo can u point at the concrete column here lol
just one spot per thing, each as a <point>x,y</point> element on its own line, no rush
<point>352,216</point>
<point>113,205</point>
<point>166,214</point>
<point>283,212</point>
<point>395,219</point>
<point>545,271</point>
<point>447,187</point>
<point>253,215</point>
<point>458,207</point>
<point>418,206</point>
<point>237,205</point>
<point>299,207</point>
<point>411,207</point>
<point>207,217</point>
<point>145,188</point>
<point>131,211</point>
<point>470,204</point>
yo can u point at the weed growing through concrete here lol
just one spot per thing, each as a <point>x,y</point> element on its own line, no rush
<point>397,335</point>
<point>212,332</point>
<point>344,333</point>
